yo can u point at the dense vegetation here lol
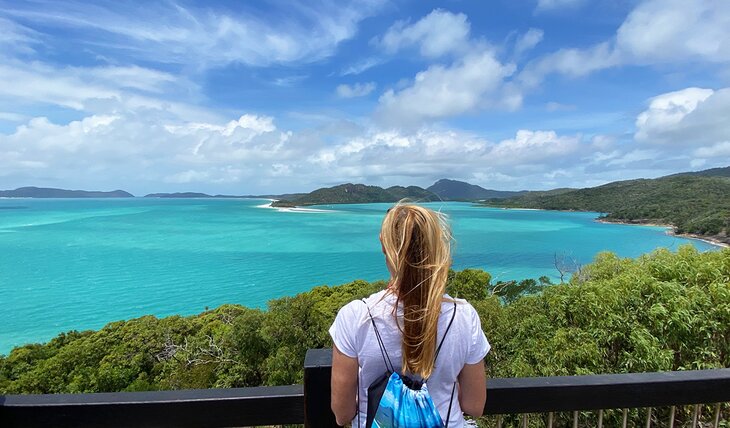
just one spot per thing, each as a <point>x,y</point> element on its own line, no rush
<point>697,204</point>
<point>452,190</point>
<point>358,194</point>
<point>663,311</point>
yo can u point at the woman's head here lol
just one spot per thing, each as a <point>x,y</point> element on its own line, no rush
<point>417,246</point>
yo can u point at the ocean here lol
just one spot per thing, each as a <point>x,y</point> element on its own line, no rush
<point>76,264</point>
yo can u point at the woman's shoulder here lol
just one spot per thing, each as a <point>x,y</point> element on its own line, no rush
<point>464,310</point>
<point>361,306</point>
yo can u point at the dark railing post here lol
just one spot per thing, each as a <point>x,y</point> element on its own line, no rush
<point>317,372</point>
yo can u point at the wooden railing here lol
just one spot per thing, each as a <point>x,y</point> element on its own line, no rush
<point>309,404</point>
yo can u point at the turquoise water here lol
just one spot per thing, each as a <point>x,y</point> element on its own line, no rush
<point>79,264</point>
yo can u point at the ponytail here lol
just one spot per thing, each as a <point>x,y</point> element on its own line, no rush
<point>417,244</point>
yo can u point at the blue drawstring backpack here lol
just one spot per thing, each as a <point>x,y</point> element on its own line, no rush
<point>397,401</point>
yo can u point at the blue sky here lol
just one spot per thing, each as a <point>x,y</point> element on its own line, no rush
<point>268,97</point>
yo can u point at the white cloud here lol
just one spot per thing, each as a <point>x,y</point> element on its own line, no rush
<point>202,37</point>
<point>529,40</point>
<point>553,106</point>
<point>74,87</point>
<point>545,5</point>
<point>676,30</point>
<point>689,124</point>
<point>697,163</point>
<point>140,148</point>
<point>717,150</point>
<point>476,81</point>
<point>361,66</point>
<point>16,38</point>
<point>288,80</point>
<point>633,157</point>
<point>12,117</point>
<point>654,32</point>
<point>356,90</point>
<point>438,33</point>
<point>570,62</point>
<point>667,111</point>
<point>429,154</point>
<point>534,147</point>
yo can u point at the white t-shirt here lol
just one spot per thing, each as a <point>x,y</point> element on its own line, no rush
<point>465,343</point>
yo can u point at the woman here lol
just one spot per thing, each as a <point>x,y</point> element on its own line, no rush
<point>412,316</point>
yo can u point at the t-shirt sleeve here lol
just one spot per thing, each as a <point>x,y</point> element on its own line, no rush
<point>478,345</point>
<point>344,329</point>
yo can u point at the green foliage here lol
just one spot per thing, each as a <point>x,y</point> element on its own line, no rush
<point>697,204</point>
<point>469,284</point>
<point>358,194</point>
<point>662,311</point>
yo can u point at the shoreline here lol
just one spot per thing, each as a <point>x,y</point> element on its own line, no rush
<point>670,227</point>
<point>291,210</point>
<point>669,231</point>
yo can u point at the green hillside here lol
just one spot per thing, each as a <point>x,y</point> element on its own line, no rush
<point>694,204</point>
<point>453,190</point>
<point>358,194</point>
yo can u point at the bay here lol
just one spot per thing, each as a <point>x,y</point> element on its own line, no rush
<point>78,264</point>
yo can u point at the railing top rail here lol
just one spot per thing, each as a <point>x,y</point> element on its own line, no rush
<point>310,403</point>
<point>148,397</point>
<point>271,405</point>
<point>590,392</point>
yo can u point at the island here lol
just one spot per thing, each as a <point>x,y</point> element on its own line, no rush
<point>50,192</point>
<point>693,204</point>
<point>357,194</point>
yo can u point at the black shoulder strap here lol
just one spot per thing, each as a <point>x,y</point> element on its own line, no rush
<point>383,351</point>
<point>453,315</point>
<point>453,388</point>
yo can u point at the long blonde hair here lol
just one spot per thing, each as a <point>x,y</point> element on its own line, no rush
<point>417,246</point>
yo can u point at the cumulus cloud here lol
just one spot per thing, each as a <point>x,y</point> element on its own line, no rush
<point>476,81</point>
<point>672,30</point>
<point>570,62</point>
<point>534,147</point>
<point>666,113</point>
<point>356,90</point>
<point>654,32</point>
<point>438,33</point>
<point>473,79</point>
<point>139,147</point>
<point>689,123</point>
<point>429,154</point>
<point>717,150</point>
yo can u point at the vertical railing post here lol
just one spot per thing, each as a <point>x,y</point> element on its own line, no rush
<point>317,373</point>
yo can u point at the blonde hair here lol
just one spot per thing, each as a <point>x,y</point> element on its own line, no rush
<point>417,246</point>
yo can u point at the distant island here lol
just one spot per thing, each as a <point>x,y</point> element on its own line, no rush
<point>48,192</point>
<point>453,190</point>
<point>696,204</point>
<point>442,190</point>
<point>357,194</point>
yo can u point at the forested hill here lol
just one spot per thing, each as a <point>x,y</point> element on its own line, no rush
<point>358,194</point>
<point>713,172</point>
<point>695,203</point>
<point>45,192</point>
<point>453,190</point>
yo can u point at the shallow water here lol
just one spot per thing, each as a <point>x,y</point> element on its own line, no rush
<point>80,263</point>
